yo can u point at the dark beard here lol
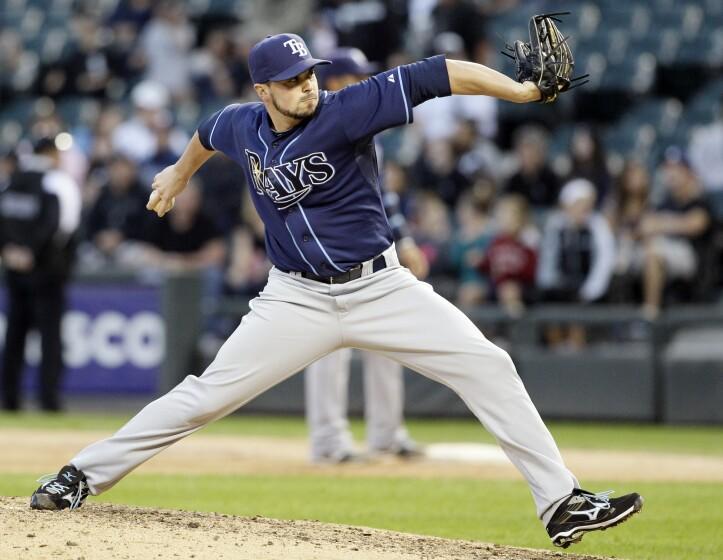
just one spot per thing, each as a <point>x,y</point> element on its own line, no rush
<point>291,114</point>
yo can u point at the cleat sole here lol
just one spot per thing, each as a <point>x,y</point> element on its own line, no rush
<point>44,502</point>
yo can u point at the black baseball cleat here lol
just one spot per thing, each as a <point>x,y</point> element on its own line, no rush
<point>584,511</point>
<point>65,490</point>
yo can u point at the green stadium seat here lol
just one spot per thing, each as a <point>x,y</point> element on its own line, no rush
<point>19,111</point>
<point>78,110</point>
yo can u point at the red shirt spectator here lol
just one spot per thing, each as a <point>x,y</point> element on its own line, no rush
<point>509,259</point>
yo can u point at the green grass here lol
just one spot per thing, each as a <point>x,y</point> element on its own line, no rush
<point>679,521</point>
<point>706,440</point>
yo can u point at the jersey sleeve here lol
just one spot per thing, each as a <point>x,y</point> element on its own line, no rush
<point>216,132</point>
<point>386,100</point>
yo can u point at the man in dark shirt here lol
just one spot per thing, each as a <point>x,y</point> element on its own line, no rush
<point>118,212</point>
<point>534,180</point>
<point>187,240</point>
<point>677,234</point>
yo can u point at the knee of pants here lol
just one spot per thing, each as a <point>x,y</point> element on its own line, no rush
<point>502,362</point>
<point>197,404</point>
<point>493,363</point>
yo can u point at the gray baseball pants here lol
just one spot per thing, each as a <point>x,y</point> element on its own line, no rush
<point>327,392</point>
<point>296,321</point>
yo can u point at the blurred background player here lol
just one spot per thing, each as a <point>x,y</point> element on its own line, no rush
<point>327,380</point>
<point>39,213</point>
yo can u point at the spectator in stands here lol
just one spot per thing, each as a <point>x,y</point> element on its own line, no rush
<point>589,162</point>
<point>677,234</point>
<point>18,67</point>
<point>187,240</point>
<point>436,170</point>
<point>432,229</point>
<point>125,58</point>
<point>135,12</point>
<point>578,249</point>
<point>706,152</point>
<point>510,261</point>
<point>464,18</point>
<point>137,138</point>
<point>625,208</point>
<point>534,180</point>
<point>8,165</point>
<point>376,28</point>
<point>471,238</point>
<point>248,266</point>
<point>166,42</point>
<point>101,145</point>
<point>86,69</point>
<point>475,154</point>
<point>209,68</point>
<point>164,153</point>
<point>396,180</point>
<point>577,257</point>
<point>119,213</point>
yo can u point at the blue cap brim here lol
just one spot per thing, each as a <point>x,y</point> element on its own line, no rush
<point>298,68</point>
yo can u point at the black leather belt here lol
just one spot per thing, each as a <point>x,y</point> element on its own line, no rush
<point>378,264</point>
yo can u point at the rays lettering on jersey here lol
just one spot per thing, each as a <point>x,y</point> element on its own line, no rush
<point>287,183</point>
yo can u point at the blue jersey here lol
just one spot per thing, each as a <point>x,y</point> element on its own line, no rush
<point>316,186</point>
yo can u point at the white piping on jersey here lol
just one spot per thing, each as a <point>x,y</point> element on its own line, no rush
<point>404,95</point>
<point>299,249</point>
<point>266,153</point>
<point>265,146</point>
<point>210,136</point>
<point>281,180</point>
<point>328,258</point>
<point>281,159</point>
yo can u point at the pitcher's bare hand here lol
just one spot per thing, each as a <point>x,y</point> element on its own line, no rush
<point>166,186</point>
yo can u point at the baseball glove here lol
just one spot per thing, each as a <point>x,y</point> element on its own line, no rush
<point>547,59</point>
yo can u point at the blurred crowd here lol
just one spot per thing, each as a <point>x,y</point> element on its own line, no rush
<point>498,221</point>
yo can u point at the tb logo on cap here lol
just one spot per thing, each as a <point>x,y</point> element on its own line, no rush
<point>297,47</point>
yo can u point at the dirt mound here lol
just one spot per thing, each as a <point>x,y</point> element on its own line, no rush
<point>110,532</point>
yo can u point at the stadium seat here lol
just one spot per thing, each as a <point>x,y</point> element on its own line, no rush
<point>77,110</point>
<point>19,111</point>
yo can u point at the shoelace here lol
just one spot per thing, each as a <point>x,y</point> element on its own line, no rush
<point>79,495</point>
<point>601,499</point>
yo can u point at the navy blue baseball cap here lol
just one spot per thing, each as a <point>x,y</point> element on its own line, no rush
<point>280,57</point>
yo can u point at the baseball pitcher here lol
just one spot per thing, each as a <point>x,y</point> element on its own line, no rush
<point>308,156</point>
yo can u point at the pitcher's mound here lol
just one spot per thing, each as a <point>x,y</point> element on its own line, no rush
<point>110,532</point>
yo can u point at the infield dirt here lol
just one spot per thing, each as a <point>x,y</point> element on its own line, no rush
<point>39,452</point>
<point>111,532</point>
